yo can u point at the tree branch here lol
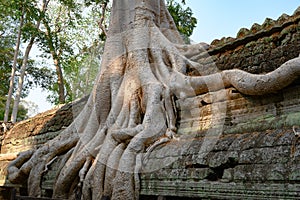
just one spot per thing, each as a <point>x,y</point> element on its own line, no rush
<point>100,23</point>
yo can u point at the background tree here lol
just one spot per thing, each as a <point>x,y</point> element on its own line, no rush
<point>74,39</point>
<point>11,58</point>
<point>35,16</point>
<point>11,17</point>
<point>35,77</point>
<point>6,8</point>
<point>54,37</point>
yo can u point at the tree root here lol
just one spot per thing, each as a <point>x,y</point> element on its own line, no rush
<point>296,132</point>
<point>48,164</point>
<point>84,170</point>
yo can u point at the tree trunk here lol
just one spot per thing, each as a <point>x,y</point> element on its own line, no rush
<point>132,106</point>
<point>21,81</point>
<point>60,79</point>
<point>13,70</point>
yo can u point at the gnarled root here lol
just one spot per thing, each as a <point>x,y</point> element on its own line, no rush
<point>253,84</point>
<point>244,82</point>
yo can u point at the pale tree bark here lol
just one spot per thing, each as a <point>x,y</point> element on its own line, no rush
<point>101,22</point>
<point>60,79</point>
<point>56,49</point>
<point>23,68</point>
<point>21,81</point>
<point>132,106</point>
<point>14,68</point>
<point>56,57</point>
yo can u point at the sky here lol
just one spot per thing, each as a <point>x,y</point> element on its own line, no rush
<point>216,19</point>
<point>223,18</point>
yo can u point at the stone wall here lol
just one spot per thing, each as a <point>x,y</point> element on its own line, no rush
<point>261,49</point>
<point>251,151</point>
<point>230,145</point>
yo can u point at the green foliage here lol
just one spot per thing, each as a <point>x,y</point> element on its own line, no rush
<point>40,76</point>
<point>7,43</point>
<point>6,56</point>
<point>4,77</point>
<point>183,17</point>
<point>95,2</point>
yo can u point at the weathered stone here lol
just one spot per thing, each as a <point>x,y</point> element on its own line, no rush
<point>243,32</point>
<point>268,23</point>
<point>255,28</point>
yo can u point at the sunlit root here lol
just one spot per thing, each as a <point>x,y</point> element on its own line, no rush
<point>244,82</point>
<point>122,135</point>
<point>253,84</point>
<point>48,164</point>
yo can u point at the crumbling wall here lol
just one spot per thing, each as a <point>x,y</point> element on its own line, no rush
<point>251,151</point>
<point>41,128</point>
<point>235,146</point>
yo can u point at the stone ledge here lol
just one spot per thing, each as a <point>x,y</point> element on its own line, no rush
<point>207,190</point>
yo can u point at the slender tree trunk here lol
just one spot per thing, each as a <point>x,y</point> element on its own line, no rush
<point>23,67</point>
<point>21,81</point>
<point>60,79</point>
<point>13,70</point>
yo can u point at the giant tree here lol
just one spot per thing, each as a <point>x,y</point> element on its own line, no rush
<point>144,68</point>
